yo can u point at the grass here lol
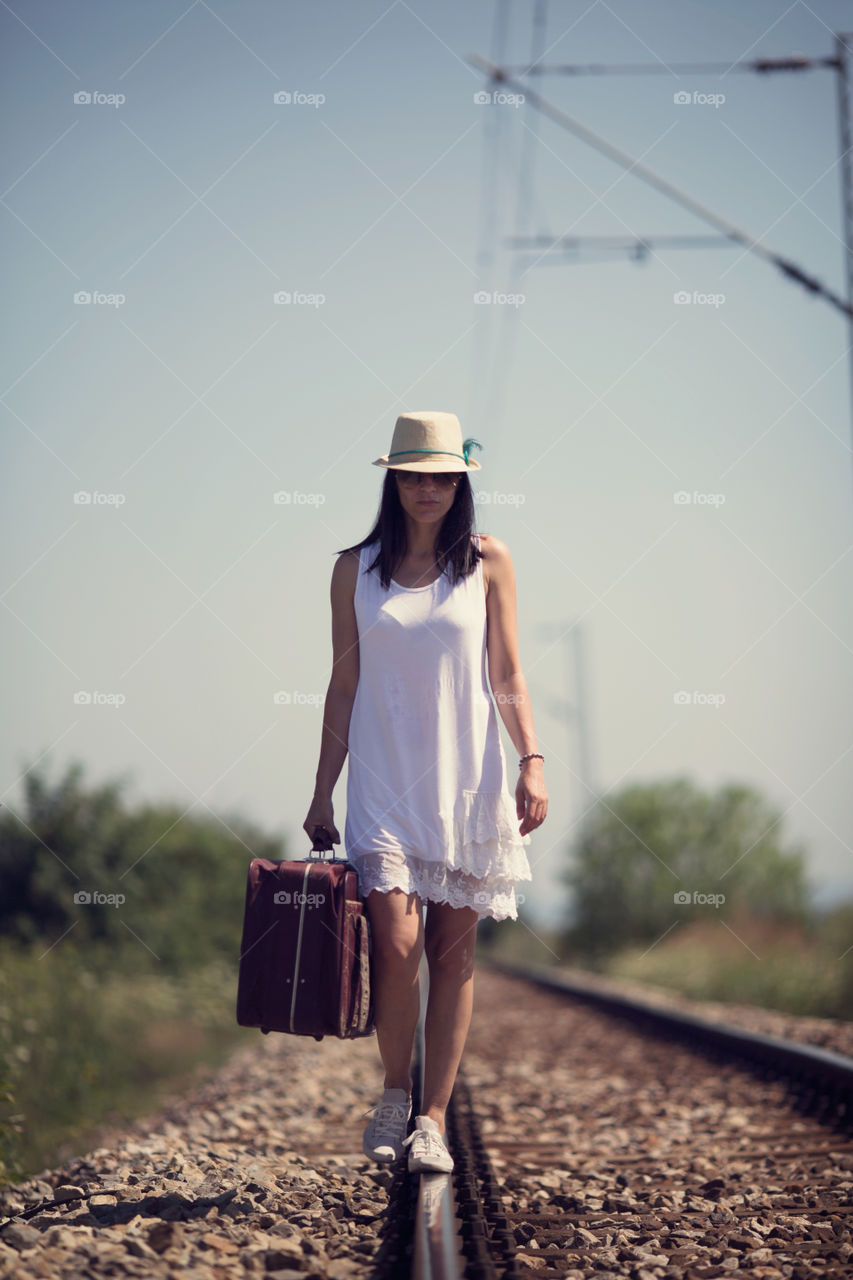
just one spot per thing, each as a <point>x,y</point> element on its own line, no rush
<point>760,963</point>
<point>89,1039</point>
<point>794,969</point>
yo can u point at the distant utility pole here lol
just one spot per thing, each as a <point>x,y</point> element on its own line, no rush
<point>842,47</point>
<point>840,63</point>
<point>576,710</point>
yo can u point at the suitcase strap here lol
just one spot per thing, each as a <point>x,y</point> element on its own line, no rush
<point>298,950</point>
<point>364,963</point>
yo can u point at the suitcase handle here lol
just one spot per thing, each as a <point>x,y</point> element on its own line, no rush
<point>321,844</point>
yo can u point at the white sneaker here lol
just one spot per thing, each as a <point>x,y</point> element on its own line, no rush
<point>427,1152</point>
<point>383,1137</point>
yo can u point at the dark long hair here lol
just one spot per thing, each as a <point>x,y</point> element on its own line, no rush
<point>456,551</point>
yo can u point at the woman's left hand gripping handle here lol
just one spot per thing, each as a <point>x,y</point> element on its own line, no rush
<point>320,827</point>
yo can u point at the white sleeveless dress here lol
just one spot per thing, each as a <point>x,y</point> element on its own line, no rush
<point>428,807</point>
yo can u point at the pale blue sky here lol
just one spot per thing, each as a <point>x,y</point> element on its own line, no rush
<point>597,398</point>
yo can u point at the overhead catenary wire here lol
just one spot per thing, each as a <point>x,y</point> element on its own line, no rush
<point>499,75</point>
<point>793,62</point>
<point>639,246</point>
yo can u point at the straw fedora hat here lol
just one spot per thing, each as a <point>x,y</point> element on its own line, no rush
<point>429,441</point>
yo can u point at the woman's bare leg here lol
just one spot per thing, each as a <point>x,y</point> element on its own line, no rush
<point>397,936</point>
<point>450,938</point>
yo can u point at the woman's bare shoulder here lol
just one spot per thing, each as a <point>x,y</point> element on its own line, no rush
<point>497,562</point>
<point>495,551</point>
<point>345,572</point>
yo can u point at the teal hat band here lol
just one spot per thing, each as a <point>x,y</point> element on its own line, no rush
<point>467,445</point>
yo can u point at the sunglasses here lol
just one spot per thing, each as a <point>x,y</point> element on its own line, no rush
<point>413,479</point>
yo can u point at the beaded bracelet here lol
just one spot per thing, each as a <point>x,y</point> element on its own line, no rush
<point>531,755</point>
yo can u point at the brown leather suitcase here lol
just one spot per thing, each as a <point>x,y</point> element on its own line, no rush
<point>305,953</point>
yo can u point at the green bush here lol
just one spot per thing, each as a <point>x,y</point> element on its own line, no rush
<point>103,1003</point>
<point>82,1042</point>
<point>646,851</point>
<point>182,875</point>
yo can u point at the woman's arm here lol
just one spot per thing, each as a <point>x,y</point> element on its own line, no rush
<point>340,696</point>
<point>508,683</point>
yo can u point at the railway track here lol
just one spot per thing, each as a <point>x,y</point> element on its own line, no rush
<point>593,1137</point>
<point>596,1135</point>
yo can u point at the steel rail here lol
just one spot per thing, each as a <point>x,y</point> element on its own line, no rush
<point>805,1063</point>
<point>476,1214</point>
<point>437,1253</point>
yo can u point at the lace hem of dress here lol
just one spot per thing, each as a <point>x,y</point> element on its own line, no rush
<point>487,842</point>
<point>488,895</point>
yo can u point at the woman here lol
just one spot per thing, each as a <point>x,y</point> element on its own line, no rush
<point>416,608</point>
